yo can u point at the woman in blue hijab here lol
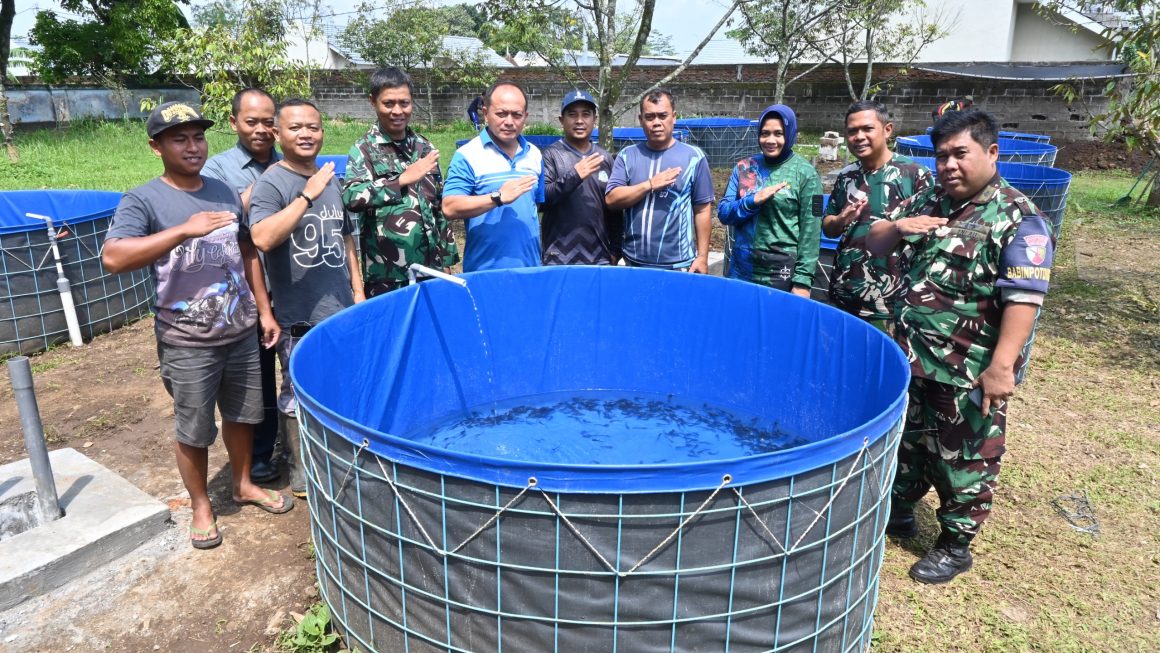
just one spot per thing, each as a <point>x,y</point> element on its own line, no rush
<point>769,204</point>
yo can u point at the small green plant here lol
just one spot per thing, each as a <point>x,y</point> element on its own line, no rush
<point>543,129</point>
<point>310,635</point>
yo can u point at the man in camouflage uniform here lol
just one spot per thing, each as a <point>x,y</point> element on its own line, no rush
<point>866,285</point>
<point>978,256</point>
<point>393,181</point>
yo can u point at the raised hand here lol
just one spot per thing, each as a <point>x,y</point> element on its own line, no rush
<point>764,194</point>
<point>919,224</point>
<point>664,179</point>
<point>205,222</point>
<point>589,165</point>
<point>851,212</point>
<point>318,181</point>
<point>514,188</point>
<point>419,169</point>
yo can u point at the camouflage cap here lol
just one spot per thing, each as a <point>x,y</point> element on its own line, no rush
<point>174,114</point>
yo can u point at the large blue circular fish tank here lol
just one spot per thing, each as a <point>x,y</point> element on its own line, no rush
<point>599,459</point>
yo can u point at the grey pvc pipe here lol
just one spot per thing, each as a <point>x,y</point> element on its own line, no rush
<point>20,373</point>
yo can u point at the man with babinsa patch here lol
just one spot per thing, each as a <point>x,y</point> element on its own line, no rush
<point>977,255</point>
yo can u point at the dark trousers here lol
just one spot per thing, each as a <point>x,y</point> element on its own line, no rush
<point>266,433</point>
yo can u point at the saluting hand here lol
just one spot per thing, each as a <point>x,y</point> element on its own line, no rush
<point>419,169</point>
<point>851,212</point>
<point>919,224</point>
<point>514,188</point>
<point>764,194</point>
<point>205,222</point>
<point>588,165</point>
<point>318,181</point>
<point>664,179</point>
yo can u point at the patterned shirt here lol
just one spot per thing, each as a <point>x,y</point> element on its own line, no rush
<point>577,229</point>
<point>995,248</point>
<point>659,230</point>
<point>400,225</point>
<point>785,222</point>
<point>866,285</point>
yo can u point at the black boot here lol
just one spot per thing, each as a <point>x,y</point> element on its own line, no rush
<point>942,563</point>
<point>902,523</point>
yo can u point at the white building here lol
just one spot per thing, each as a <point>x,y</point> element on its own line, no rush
<point>981,31</point>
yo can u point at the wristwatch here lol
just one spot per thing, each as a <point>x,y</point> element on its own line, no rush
<point>303,195</point>
<point>496,199</point>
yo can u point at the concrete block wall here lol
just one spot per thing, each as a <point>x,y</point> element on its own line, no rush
<point>820,99</point>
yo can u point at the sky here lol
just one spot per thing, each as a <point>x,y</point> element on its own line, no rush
<point>686,21</point>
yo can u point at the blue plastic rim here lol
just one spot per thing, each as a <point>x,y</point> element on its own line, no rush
<point>1024,136</point>
<point>339,161</point>
<point>1010,149</point>
<point>820,373</point>
<point>71,206</point>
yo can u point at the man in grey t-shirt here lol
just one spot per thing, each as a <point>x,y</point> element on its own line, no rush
<point>297,218</point>
<point>209,292</point>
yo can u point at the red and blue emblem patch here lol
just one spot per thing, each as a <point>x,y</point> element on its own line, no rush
<point>1036,248</point>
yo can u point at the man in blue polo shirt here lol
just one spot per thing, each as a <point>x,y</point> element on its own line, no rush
<point>665,190</point>
<point>494,182</point>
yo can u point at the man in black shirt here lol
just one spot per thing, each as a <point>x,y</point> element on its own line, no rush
<point>578,228</point>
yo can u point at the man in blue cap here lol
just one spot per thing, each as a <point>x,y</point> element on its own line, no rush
<point>577,226</point>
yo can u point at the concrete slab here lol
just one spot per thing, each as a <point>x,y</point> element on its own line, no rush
<point>105,518</point>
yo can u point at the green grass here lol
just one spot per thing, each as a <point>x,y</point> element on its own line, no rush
<point>116,156</point>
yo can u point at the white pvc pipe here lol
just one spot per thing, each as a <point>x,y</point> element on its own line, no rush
<point>62,285</point>
<point>430,272</point>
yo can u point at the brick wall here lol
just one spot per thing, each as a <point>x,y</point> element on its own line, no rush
<point>820,99</point>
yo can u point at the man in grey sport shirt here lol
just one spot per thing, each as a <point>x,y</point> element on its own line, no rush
<point>210,294</point>
<point>252,119</point>
<point>298,219</point>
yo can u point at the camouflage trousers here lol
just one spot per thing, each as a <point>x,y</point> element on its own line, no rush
<point>948,444</point>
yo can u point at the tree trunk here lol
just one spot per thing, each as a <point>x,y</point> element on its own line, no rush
<point>1154,193</point>
<point>7,14</point>
<point>430,100</point>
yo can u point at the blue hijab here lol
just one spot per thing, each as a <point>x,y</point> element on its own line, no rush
<point>789,124</point>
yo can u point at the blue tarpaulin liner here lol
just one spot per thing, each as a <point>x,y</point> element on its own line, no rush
<point>414,357</point>
<point>1010,150</point>
<point>71,206</point>
<point>339,161</point>
<point>31,315</point>
<point>1024,136</point>
<point>427,550</point>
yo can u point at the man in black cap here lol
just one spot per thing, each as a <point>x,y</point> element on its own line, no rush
<point>577,227</point>
<point>210,296</point>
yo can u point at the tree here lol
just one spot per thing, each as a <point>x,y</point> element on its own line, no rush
<point>603,22</point>
<point>870,31</point>
<point>548,27</point>
<point>114,40</point>
<point>789,30</point>
<point>411,36</point>
<point>222,59</point>
<point>1131,31</point>
<point>7,14</point>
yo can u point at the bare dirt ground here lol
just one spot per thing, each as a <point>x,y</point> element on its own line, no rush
<point>106,400</point>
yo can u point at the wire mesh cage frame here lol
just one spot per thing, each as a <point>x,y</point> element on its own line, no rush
<point>31,315</point>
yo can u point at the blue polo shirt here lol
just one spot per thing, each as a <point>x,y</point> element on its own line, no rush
<point>506,236</point>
